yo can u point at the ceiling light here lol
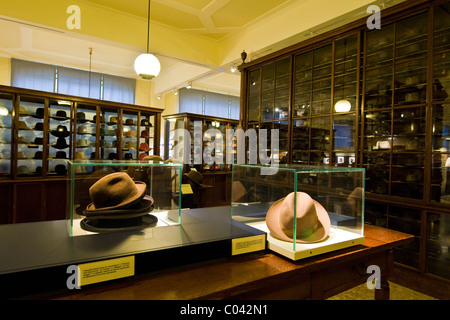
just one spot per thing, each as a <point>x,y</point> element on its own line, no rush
<point>189,85</point>
<point>343,106</point>
<point>233,69</point>
<point>176,92</point>
<point>146,65</point>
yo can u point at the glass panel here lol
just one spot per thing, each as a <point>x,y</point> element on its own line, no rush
<point>407,175</point>
<point>379,46</point>
<point>130,146</point>
<point>109,131</point>
<point>438,244</point>
<point>59,138</point>
<point>377,172</point>
<point>31,143</point>
<point>253,100</point>
<point>410,82</point>
<point>303,65</point>
<point>85,132</point>
<point>441,127</point>
<point>282,104</point>
<point>302,100</point>
<point>321,102</point>
<point>378,92</point>
<point>409,129</point>
<point>320,133</point>
<point>146,135</point>
<point>406,220</point>
<point>322,63</point>
<point>283,132</point>
<point>344,129</point>
<point>441,79</point>
<point>411,35</point>
<point>375,214</point>
<point>442,27</point>
<point>267,106</point>
<point>440,178</point>
<point>345,89</point>
<point>6,150</point>
<point>346,55</point>
<point>377,130</point>
<point>268,77</point>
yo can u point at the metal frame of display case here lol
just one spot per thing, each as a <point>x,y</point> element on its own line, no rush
<point>406,180</point>
<point>44,130</point>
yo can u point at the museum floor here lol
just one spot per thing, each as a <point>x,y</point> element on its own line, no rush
<point>398,292</point>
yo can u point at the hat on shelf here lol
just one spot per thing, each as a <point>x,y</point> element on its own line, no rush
<point>60,155</point>
<point>129,134</point>
<point>142,156</point>
<point>82,130</point>
<point>81,117</point>
<point>39,126</point>
<point>129,122</point>
<point>61,131</point>
<point>129,145</point>
<point>23,111</point>
<point>60,115</point>
<point>112,156</point>
<point>79,155</point>
<point>39,113</point>
<point>152,158</point>
<point>128,156</point>
<point>21,140</point>
<point>146,123</point>
<point>100,119</point>
<point>21,155</point>
<point>60,169</point>
<point>37,142</point>
<point>144,134</point>
<point>23,170</point>
<point>60,144</point>
<point>298,208</point>
<point>112,120</point>
<point>82,143</point>
<point>23,125</point>
<point>144,147</point>
<point>38,155</point>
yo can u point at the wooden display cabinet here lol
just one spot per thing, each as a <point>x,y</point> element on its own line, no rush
<point>40,132</point>
<point>376,99</point>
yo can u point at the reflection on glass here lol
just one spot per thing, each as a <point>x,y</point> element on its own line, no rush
<point>344,129</point>
<point>438,244</point>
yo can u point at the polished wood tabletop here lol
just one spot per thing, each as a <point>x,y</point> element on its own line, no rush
<point>262,275</point>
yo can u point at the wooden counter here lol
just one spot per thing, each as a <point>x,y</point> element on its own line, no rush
<point>263,276</point>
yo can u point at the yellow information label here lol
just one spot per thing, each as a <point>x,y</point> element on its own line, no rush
<point>186,189</point>
<point>105,270</point>
<point>248,244</point>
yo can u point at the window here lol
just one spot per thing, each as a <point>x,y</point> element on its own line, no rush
<point>209,103</point>
<point>75,82</point>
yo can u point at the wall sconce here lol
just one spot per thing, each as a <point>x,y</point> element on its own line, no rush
<point>343,106</point>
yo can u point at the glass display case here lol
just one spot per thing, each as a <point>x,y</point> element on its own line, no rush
<point>6,135</point>
<point>119,196</point>
<point>305,210</point>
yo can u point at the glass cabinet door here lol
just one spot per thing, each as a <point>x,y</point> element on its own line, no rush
<point>85,137</point>
<point>146,134</point>
<point>254,90</point>
<point>31,144</point>
<point>130,135</point>
<point>6,137</point>
<point>110,134</point>
<point>59,138</point>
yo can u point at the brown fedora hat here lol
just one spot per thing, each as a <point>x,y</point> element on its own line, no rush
<point>312,220</point>
<point>116,192</point>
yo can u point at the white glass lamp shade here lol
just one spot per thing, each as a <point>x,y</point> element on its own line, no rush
<point>343,106</point>
<point>147,66</point>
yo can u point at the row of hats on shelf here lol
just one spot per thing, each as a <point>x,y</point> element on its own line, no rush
<point>81,117</point>
<point>60,169</point>
<point>112,132</point>
<point>62,155</point>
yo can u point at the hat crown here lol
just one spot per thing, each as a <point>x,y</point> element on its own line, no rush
<point>298,208</point>
<point>112,190</point>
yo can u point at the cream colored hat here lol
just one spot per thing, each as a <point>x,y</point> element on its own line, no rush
<point>312,220</point>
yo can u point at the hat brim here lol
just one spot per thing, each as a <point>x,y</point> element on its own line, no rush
<point>320,234</point>
<point>136,200</point>
<point>60,134</point>
<point>110,226</point>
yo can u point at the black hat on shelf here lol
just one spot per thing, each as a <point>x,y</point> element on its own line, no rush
<point>38,155</point>
<point>81,117</point>
<point>39,126</point>
<point>61,155</point>
<point>60,169</point>
<point>146,123</point>
<point>61,144</point>
<point>39,113</point>
<point>60,115</point>
<point>61,132</point>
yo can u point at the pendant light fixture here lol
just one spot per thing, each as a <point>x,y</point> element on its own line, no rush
<point>146,65</point>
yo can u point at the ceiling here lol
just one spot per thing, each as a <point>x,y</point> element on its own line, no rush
<point>196,41</point>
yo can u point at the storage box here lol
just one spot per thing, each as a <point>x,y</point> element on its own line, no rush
<point>121,196</point>
<point>304,210</point>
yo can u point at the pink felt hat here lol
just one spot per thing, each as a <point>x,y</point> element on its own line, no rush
<point>312,220</point>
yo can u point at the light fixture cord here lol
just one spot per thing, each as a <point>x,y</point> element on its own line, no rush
<point>148,28</point>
